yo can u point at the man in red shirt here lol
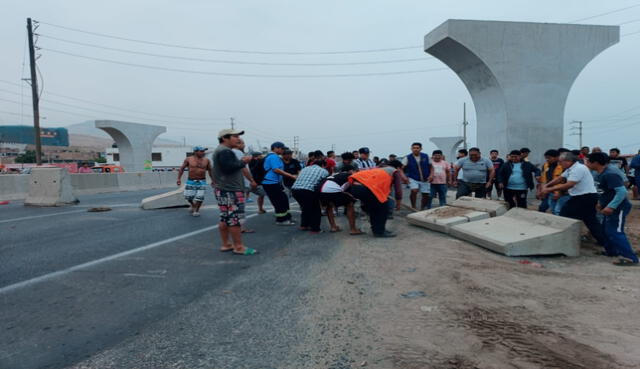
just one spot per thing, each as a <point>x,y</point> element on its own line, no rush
<point>331,162</point>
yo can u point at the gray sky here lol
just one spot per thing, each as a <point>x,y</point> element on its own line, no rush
<point>385,113</point>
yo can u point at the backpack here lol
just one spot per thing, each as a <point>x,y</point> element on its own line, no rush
<point>256,167</point>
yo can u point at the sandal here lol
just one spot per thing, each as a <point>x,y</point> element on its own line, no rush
<point>247,231</point>
<point>624,263</point>
<point>358,233</point>
<point>230,248</point>
<point>338,229</point>
<point>247,251</point>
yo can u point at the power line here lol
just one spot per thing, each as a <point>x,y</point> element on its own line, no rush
<point>606,13</point>
<point>239,62</point>
<point>339,75</point>
<point>233,51</point>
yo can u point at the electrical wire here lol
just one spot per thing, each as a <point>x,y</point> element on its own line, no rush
<point>339,75</point>
<point>240,62</point>
<point>233,51</point>
<point>606,13</point>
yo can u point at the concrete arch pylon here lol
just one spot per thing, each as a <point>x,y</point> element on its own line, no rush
<point>519,75</point>
<point>448,145</point>
<point>134,140</point>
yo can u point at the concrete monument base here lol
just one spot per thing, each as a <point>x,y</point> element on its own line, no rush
<point>443,218</point>
<point>494,208</point>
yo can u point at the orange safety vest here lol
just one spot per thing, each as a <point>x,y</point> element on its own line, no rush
<point>377,180</point>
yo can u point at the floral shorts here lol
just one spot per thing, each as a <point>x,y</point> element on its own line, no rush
<point>231,205</point>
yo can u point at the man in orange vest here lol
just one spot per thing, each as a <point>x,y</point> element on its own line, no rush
<point>372,187</point>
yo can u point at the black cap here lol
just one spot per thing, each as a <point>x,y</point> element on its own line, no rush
<point>364,150</point>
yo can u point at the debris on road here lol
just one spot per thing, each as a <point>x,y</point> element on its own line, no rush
<point>98,209</point>
<point>414,294</point>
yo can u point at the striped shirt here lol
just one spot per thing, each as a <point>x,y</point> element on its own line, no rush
<point>364,164</point>
<point>309,178</point>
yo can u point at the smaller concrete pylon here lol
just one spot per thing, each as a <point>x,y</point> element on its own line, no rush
<point>134,141</point>
<point>443,218</point>
<point>50,187</point>
<point>448,145</point>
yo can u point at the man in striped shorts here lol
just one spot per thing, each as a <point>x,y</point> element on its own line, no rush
<point>196,185</point>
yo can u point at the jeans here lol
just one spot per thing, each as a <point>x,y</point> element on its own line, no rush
<point>515,198</point>
<point>545,203</point>
<point>465,189</point>
<point>279,200</point>
<point>583,207</point>
<point>441,191</point>
<point>378,211</point>
<point>616,243</point>
<point>557,205</point>
<point>311,213</point>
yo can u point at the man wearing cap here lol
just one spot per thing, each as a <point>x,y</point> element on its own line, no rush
<point>363,162</point>
<point>272,184</point>
<point>229,189</point>
<point>197,179</point>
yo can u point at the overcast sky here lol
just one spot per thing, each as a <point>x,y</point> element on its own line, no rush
<point>385,113</point>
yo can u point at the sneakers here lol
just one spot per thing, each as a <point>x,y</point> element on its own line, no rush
<point>195,214</point>
<point>286,223</point>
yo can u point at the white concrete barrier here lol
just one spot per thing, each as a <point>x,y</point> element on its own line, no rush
<point>522,232</point>
<point>494,208</point>
<point>169,199</point>
<point>13,186</point>
<point>443,218</point>
<point>50,187</point>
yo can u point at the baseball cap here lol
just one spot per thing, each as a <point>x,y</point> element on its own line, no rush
<point>199,148</point>
<point>229,131</point>
<point>364,150</point>
<point>277,145</point>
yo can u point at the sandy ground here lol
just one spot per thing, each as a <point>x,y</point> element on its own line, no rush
<point>466,307</point>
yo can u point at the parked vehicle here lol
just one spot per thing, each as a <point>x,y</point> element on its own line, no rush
<point>108,169</point>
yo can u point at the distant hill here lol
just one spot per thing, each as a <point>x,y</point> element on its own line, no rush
<point>86,134</point>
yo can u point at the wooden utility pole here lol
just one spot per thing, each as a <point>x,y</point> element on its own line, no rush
<point>35,98</point>
<point>233,125</point>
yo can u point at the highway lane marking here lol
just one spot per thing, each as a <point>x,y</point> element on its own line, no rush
<point>43,216</point>
<point>45,277</point>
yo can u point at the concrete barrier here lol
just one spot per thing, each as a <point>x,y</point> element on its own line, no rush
<point>494,208</point>
<point>443,218</point>
<point>13,186</point>
<point>522,232</point>
<point>94,183</point>
<point>50,187</point>
<point>170,199</point>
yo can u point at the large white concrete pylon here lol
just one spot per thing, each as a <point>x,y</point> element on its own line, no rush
<point>448,145</point>
<point>134,141</point>
<point>519,75</point>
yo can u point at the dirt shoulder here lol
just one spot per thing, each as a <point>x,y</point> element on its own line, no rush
<point>466,307</point>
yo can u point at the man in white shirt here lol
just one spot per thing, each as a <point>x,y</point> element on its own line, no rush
<point>583,199</point>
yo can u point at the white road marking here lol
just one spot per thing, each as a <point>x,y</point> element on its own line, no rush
<point>105,259</point>
<point>143,275</point>
<point>84,210</point>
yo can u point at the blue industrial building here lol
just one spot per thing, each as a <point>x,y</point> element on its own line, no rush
<point>25,135</point>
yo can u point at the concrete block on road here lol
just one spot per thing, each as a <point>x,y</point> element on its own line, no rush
<point>522,232</point>
<point>50,187</point>
<point>442,218</point>
<point>494,208</point>
<point>170,199</point>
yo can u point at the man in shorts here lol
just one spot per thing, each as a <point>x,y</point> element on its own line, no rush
<point>418,168</point>
<point>229,190</point>
<point>196,185</point>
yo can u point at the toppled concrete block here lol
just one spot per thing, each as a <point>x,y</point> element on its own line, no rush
<point>442,218</point>
<point>494,208</point>
<point>50,187</point>
<point>522,232</point>
<point>170,199</point>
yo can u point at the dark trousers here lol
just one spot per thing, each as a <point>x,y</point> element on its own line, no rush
<point>465,189</point>
<point>617,243</point>
<point>311,214</point>
<point>377,210</point>
<point>583,207</point>
<point>515,198</point>
<point>279,200</point>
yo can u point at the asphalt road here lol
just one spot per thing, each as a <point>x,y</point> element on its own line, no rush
<point>130,288</point>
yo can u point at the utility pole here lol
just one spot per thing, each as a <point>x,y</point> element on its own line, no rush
<point>34,93</point>
<point>464,125</point>
<point>296,142</point>
<point>233,125</point>
<point>577,125</point>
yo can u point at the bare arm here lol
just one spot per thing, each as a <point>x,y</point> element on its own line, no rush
<point>560,187</point>
<point>492,175</point>
<point>247,174</point>
<point>185,164</point>
<point>283,173</point>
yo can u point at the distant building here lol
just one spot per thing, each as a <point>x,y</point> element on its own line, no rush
<point>161,156</point>
<point>25,135</point>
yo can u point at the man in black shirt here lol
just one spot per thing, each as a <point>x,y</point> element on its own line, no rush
<point>615,207</point>
<point>497,164</point>
<point>291,166</point>
<point>256,167</point>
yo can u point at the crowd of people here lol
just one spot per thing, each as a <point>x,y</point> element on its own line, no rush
<point>585,184</point>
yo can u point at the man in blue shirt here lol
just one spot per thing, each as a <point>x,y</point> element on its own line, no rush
<point>516,177</point>
<point>272,184</point>
<point>615,207</point>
